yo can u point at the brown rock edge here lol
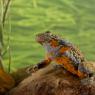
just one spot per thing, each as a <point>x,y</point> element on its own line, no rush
<point>52,80</point>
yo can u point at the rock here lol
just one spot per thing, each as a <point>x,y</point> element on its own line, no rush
<point>52,81</point>
<point>20,74</point>
<point>6,82</point>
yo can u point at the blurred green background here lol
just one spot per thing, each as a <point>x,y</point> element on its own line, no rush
<point>72,19</point>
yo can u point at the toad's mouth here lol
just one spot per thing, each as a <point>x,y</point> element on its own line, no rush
<point>40,39</point>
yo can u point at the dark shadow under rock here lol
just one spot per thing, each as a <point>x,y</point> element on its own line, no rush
<point>52,81</point>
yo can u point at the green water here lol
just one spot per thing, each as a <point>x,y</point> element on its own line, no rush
<point>72,19</point>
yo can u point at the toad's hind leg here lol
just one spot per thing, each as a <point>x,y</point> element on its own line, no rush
<point>82,71</point>
<point>81,74</point>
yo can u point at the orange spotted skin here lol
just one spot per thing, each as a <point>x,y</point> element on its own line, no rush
<point>67,64</point>
<point>62,53</point>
